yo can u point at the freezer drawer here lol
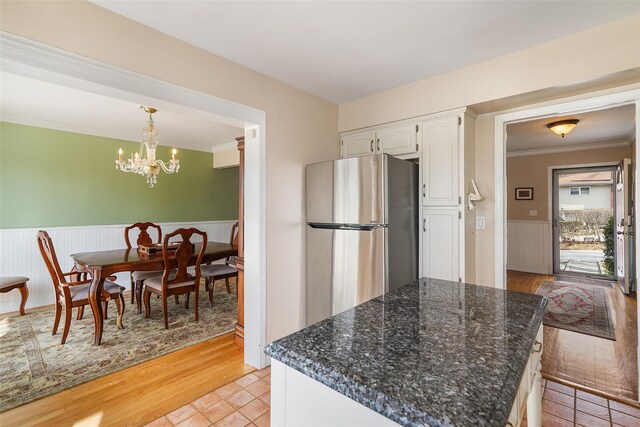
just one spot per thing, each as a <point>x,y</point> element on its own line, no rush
<point>344,268</point>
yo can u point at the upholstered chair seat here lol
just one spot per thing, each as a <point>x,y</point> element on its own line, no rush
<point>80,292</point>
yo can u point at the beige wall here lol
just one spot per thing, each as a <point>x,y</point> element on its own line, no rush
<point>562,64</point>
<point>301,128</point>
<point>576,58</point>
<point>533,171</point>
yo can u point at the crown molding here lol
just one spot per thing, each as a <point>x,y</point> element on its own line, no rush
<point>596,146</point>
<point>233,145</point>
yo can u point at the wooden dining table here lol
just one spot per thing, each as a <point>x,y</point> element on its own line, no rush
<point>102,264</point>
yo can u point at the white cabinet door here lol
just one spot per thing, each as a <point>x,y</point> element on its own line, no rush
<point>397,141</point>
<point>358,145</point>
<point>440,162</point>
<point>440,244</point>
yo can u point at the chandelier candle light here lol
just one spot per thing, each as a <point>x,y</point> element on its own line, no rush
<point>144,162</point>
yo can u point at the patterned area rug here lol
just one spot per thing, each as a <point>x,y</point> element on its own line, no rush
<point>34,364</point>
<point>585,280</point>
<point>578,307</point>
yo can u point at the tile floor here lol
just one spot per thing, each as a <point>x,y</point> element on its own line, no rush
<point>246,402</point>
<point>564,406</point>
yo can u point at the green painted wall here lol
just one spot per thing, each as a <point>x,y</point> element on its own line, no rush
<point>52,178</point>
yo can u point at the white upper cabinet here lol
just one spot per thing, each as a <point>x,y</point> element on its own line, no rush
<point>358,145</point>
<point>441,162</point>
<point>398,140</point>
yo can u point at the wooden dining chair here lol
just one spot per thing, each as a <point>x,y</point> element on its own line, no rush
<point>175,279</point>
<point>16,282</point>
<point>225,271</point>
<point>72,288</point>
<point>138,277</point>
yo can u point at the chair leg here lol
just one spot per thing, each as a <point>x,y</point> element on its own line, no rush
<point>196,293</point>
<point>175,297</point>
<point>139,286</point>
<point>67,323</point>
<point>56,320</point>
<point>226,282</point>
<point>133,291</point>
<point>147,304</point>
<point>80,312</point>
<point>24,294</point>
<point>105,308</point>
<point>186,300</point>
<point>119,299</point>
<point>211,284</point>
<point>164,311</point>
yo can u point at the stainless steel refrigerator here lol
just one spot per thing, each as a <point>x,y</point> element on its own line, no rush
<point>362,231</point>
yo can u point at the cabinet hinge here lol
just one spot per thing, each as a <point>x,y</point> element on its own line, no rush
<point>459,279</point>
<point>459,120</point>
<point>342,142</point>
<point>459,215</point>
<point>416,147</point>
<point>416,128</point>
<point>459,199</point>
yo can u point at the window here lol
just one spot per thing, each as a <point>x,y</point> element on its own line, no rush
<point>580,191</point>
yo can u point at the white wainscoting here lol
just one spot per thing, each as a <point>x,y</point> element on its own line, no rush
<point>529,247</point>
<point>20,256</point>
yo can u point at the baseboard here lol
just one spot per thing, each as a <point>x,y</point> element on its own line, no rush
<point>537,269</point>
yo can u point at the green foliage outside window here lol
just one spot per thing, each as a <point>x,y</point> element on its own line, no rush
<point>609,243</point>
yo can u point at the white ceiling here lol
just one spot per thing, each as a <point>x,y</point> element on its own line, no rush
<point>342,51</point>
<point>37,103</point>
<point>612,125</point>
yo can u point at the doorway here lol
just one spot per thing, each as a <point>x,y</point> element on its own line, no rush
<point>589,362</point>
<point>26,58</point>
<point>583,205</point>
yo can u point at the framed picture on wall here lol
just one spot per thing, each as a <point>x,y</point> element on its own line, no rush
<point>524,193</point>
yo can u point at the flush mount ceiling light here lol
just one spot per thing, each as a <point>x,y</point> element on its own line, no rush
<point>563,127</point>
<point>144,162</point>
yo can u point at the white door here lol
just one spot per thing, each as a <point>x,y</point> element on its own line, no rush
<point>358,145</point>
<point>398,140</point>
<point>440,163</point>
<point>440,244</point>
<point>623,226</point>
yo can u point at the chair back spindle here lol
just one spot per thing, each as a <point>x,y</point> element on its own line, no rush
<point>143,236</point>
<point>48,253</point>
<point>183,255</point>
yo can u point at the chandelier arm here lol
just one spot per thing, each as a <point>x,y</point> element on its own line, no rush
<point>173,166</point>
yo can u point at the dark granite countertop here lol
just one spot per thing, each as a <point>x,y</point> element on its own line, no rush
<point>434,353</point>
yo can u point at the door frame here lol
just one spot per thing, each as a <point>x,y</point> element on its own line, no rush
<point>589,102</point>
<point>43,62</point>
<point>553,205</point>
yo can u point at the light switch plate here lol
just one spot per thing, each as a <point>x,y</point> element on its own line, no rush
<point>480,223</point>
<point>533,212</point>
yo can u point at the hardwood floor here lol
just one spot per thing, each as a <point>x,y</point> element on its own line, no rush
<point>140,394</point>
<point>595,363</point>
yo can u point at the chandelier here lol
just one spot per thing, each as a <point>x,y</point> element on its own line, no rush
<point>144,162</point>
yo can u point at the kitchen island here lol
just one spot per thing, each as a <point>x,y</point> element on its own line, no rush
<point>433,353</point>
